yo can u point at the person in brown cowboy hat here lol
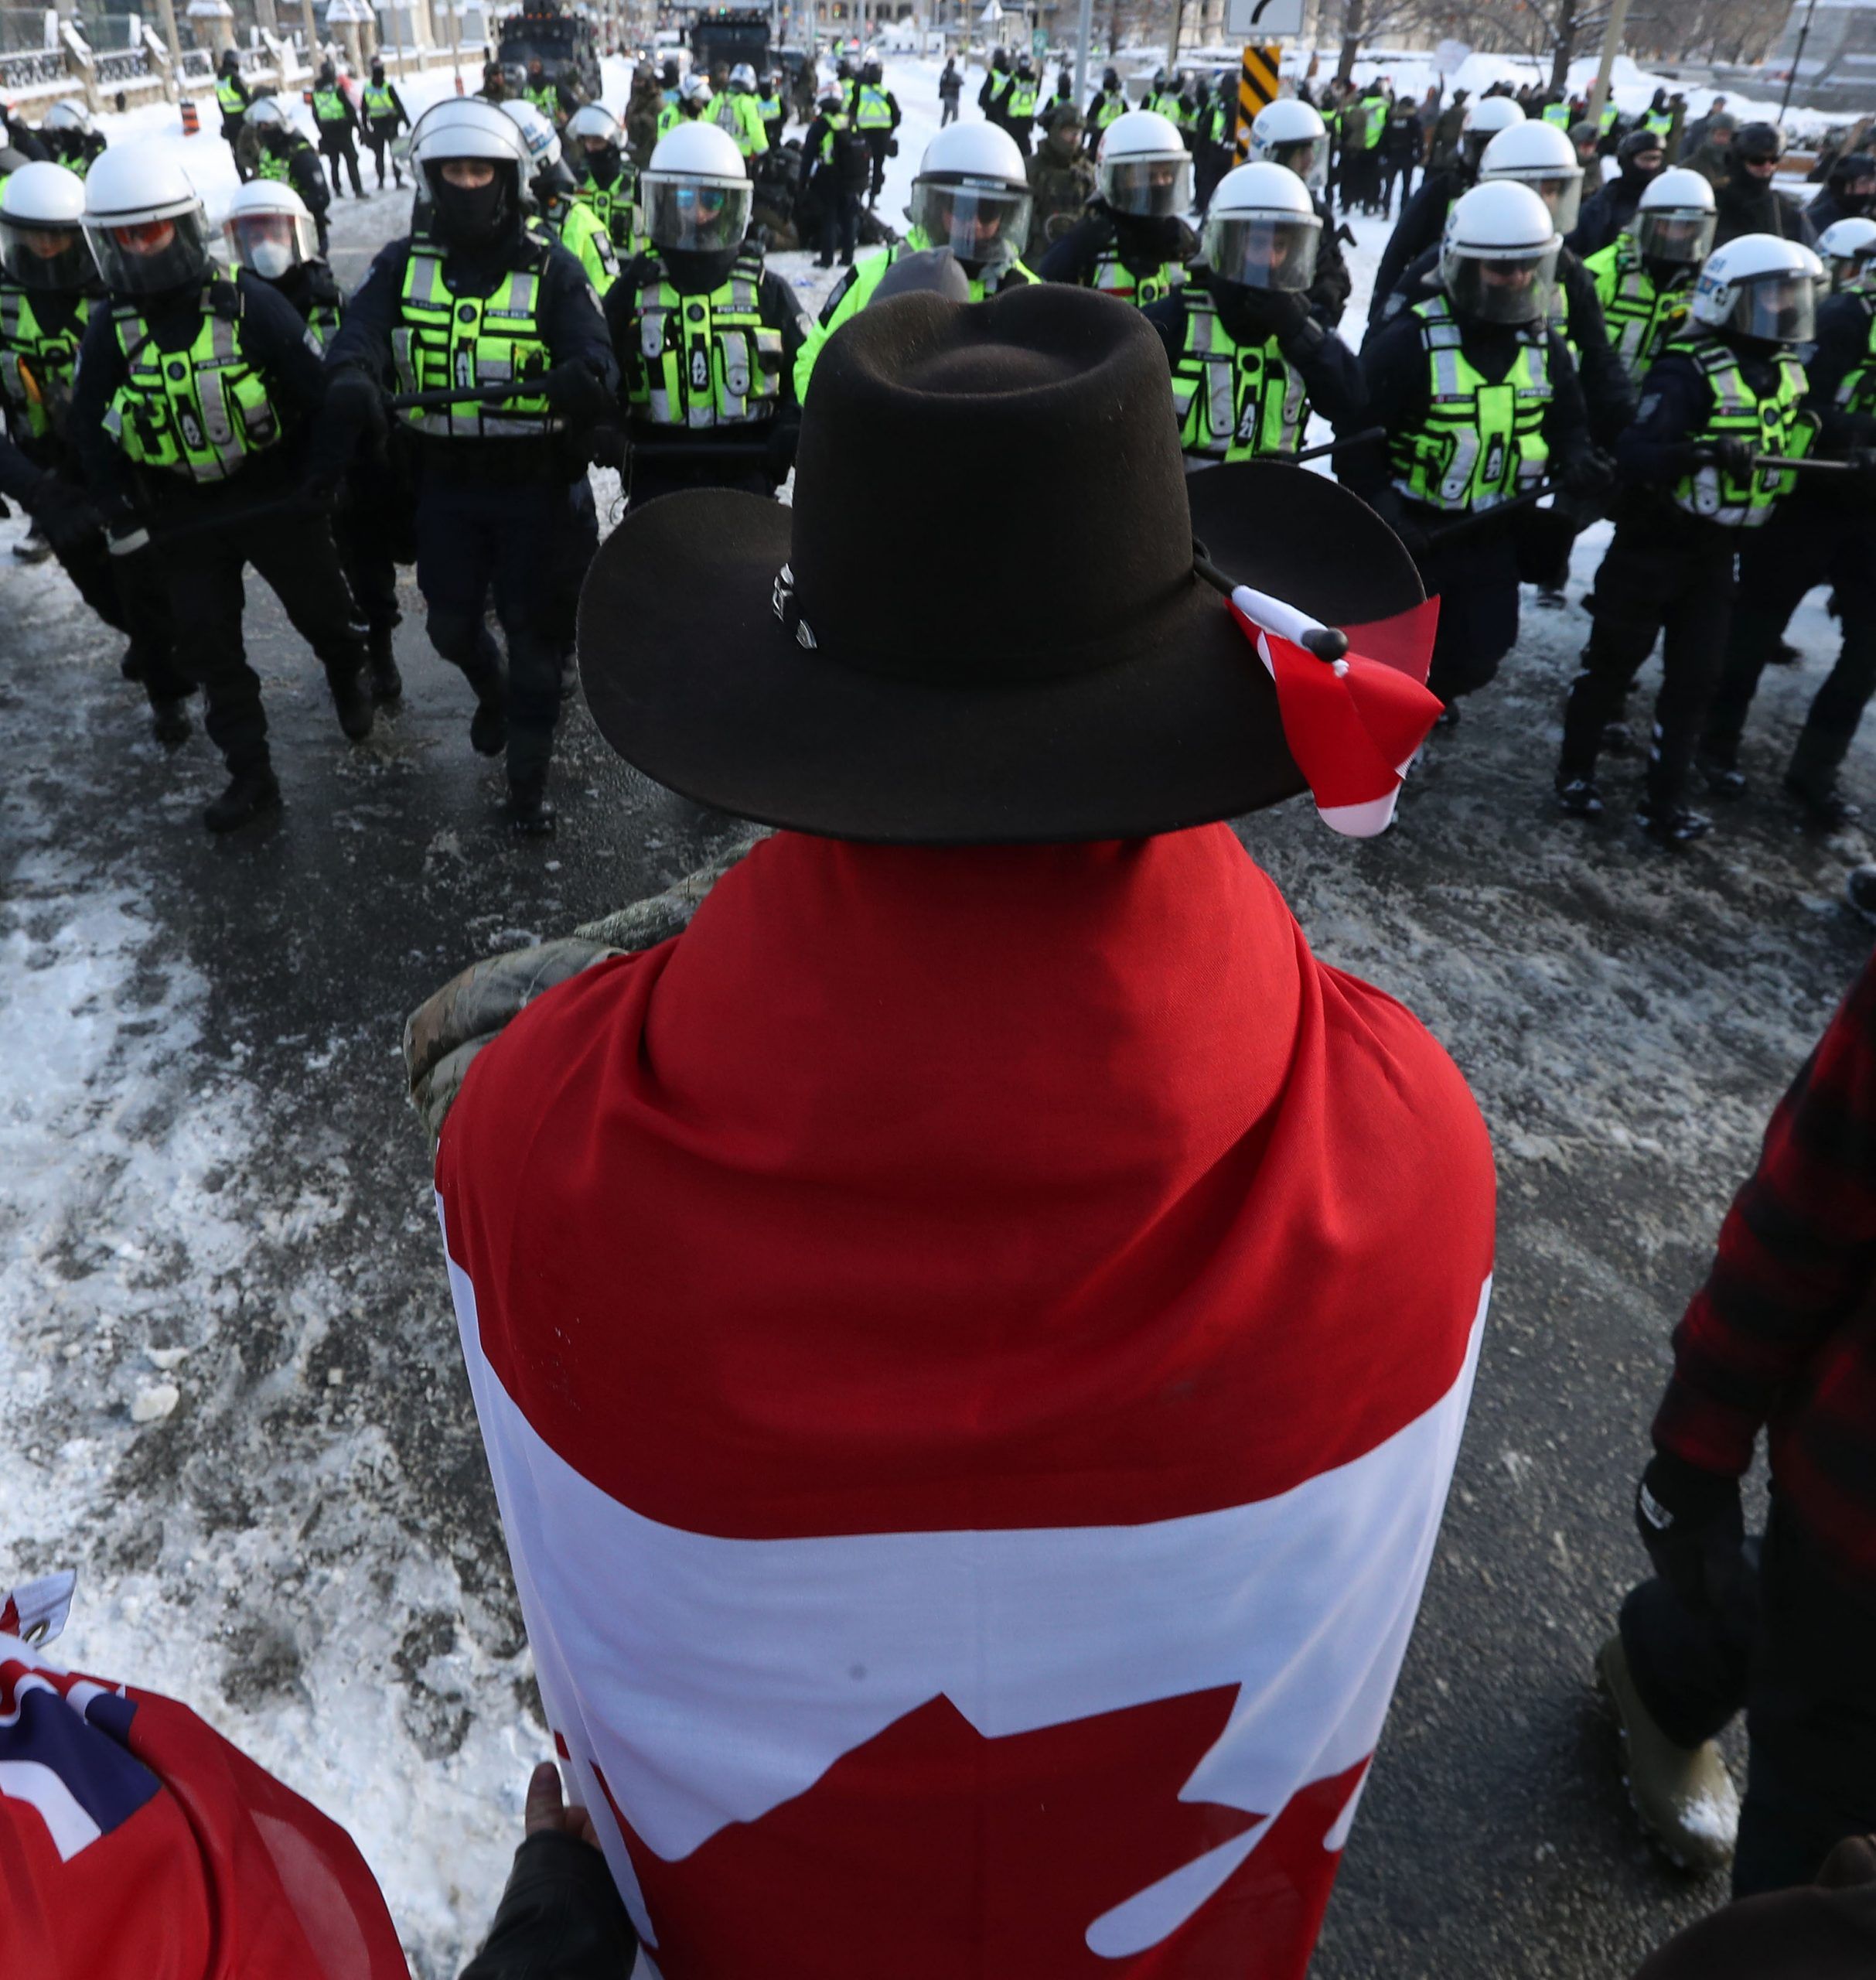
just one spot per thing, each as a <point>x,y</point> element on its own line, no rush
<point>971,1336</point>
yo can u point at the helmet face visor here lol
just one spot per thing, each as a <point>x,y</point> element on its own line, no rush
<point>1514,289</point>
<point>1153,188</point>
<point>44,257</point>
<point>149,257</point>
<point>1307,157</point>
<point>1850,272</point>
<point>1562,193</point>
<point>1685,238</point>
<point>1260,251</point>
<point>1782,308</point>
<point>985,226</point>
<point>695,215</point>
<point>269,244</point>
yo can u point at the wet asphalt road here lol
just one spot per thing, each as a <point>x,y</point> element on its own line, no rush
<point>1627,1021</point>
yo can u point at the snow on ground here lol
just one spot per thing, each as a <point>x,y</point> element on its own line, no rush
<point>311,1561</point>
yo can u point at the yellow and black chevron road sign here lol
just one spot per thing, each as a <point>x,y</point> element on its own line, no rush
<point>1257,86</point>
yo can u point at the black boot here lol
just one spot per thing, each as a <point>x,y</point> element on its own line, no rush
<point>529,812</point>
<point>489,725</point>
<point>251,793</point>
<point>1719,773</point>
<point>352,698</point>
<point>1811,779</point>
<point>1577,797</point>
<point>386,682</point>
<point>170,723</point>
<point>1672,826</point>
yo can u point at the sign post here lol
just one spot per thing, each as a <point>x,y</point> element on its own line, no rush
<point>1259,22</point>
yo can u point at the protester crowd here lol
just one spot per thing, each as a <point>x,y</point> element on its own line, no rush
<point>1095,1280</point>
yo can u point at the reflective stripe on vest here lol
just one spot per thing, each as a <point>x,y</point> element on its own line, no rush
<point>230,95</point>
<point>1019,105</point>
<point>835,121</point>
<point>1112,277</point>
<point>1234,401</point>
<point>1110,107</point>
<point>706,361</point>
<point>578,229</point>
<point>615,209</point>
<point>329,107</point>
<point>771,107</point>
<point>1557,114</point>
<point>1660,121</point>
<point>1769,425</point>
<point>546,99</point>
<point>1480,443</point>
<point>669,118</point>
<point>1377,122</point>
<point>47,356</point>
<point>380,100</point>
<point>442,340</point>
<point>872,112</point>
<point>1640,317</point>
<point>198,412</point>
<point>1857,392</point>
<point>323,321</point>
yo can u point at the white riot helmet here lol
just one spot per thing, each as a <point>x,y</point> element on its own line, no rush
<point>1291,132</point>
<point>469,130</point>
<point>268,113</point>
<point>537,133</point>
<point>1541,156</point>
<point>1759,286</point>
<point>1674,220</point>
<point>695,88</point>
<point>41,227</point>
<point>593,122</point>
<point>144,220</point>
<point>696,191</point>
<point>1498,256</point>
<point>1144,167</point>
<point>1845,246</point>
<point>743,77</point>
<point>268,229</point>
<point>972,196</point>
<point>1261,229</point>
<point>68,113</point>
<point>1484,120</point>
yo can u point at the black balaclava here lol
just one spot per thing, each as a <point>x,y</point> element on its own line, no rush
<point>698,271</point>
<point>604,166</point>
<point>476,221</point>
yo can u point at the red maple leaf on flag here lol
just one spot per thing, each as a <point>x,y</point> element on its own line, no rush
<point>933,1853</point>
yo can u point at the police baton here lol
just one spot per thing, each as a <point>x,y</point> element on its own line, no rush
<point>516,388</point>
<point>1480,518</point>
<point>126,541</point>
<point>1803,464</point>
<point>1365,437</point>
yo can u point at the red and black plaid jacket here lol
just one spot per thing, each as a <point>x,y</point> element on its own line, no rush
<point>1783,1333</point>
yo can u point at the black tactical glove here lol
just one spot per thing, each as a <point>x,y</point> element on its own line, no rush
<point>1735,459</point>
<point>351,411</point>
<point>1393,512</point>
<point>561,1915</point>
<point>572,391</point>
<point>1690,1522</point>
<point>64,515</point>
<point>778,455</point>
<point>1589,476</point>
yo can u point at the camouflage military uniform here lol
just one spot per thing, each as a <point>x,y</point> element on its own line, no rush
<point>1062,180</point>
<point>641,120</point>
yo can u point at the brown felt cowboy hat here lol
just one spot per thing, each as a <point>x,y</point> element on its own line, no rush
<point>980,622</point>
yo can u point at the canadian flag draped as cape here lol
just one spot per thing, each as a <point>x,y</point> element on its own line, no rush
<point>971,1347</point>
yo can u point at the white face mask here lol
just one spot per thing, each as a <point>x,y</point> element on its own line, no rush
<point>270,259</point>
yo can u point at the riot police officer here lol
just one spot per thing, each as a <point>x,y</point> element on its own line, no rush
<point>1644,277</point>
<point>1134,242</point>
<point>738,111</point>
<point>876,117</point>
<point>1824,532</point>
<point>384,116</point>
<point>1423,219</point>
<point>604,180</point>
<point>1479,397</point>
<point>1107,103</point>
<point>1248,358</point>
<point>573,224</point>
<point>232,100</point>
<point>49,288</point>
<point>707,337</point>
<point>71,136</point>
<point>268,232</point>
<point>192,398</point>
<point>972,196</point>
<point>337,124</point>
<point>1728,390</point>
<point>1290,133</point>
<point>286,156</point>
<point>503,504</point>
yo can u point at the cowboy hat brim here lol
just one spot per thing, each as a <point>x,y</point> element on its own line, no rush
<point>693,677</point>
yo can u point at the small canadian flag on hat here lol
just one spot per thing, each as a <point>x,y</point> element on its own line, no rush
<point>1354,722</point>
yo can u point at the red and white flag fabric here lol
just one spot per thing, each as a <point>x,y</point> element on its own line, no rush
<point>971,1347</point>
<point>1355,723</point>
<point>136,1844</point>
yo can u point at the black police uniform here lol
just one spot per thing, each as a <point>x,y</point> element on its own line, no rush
<point>1420,226</point>
<point>1116,252</point>
<point>206,534</point>
<point>503,505</point>
<point>1474,570</point>
<point>1823,533</point>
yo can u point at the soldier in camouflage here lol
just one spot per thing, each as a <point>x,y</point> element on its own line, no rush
<point>1061,178</point>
